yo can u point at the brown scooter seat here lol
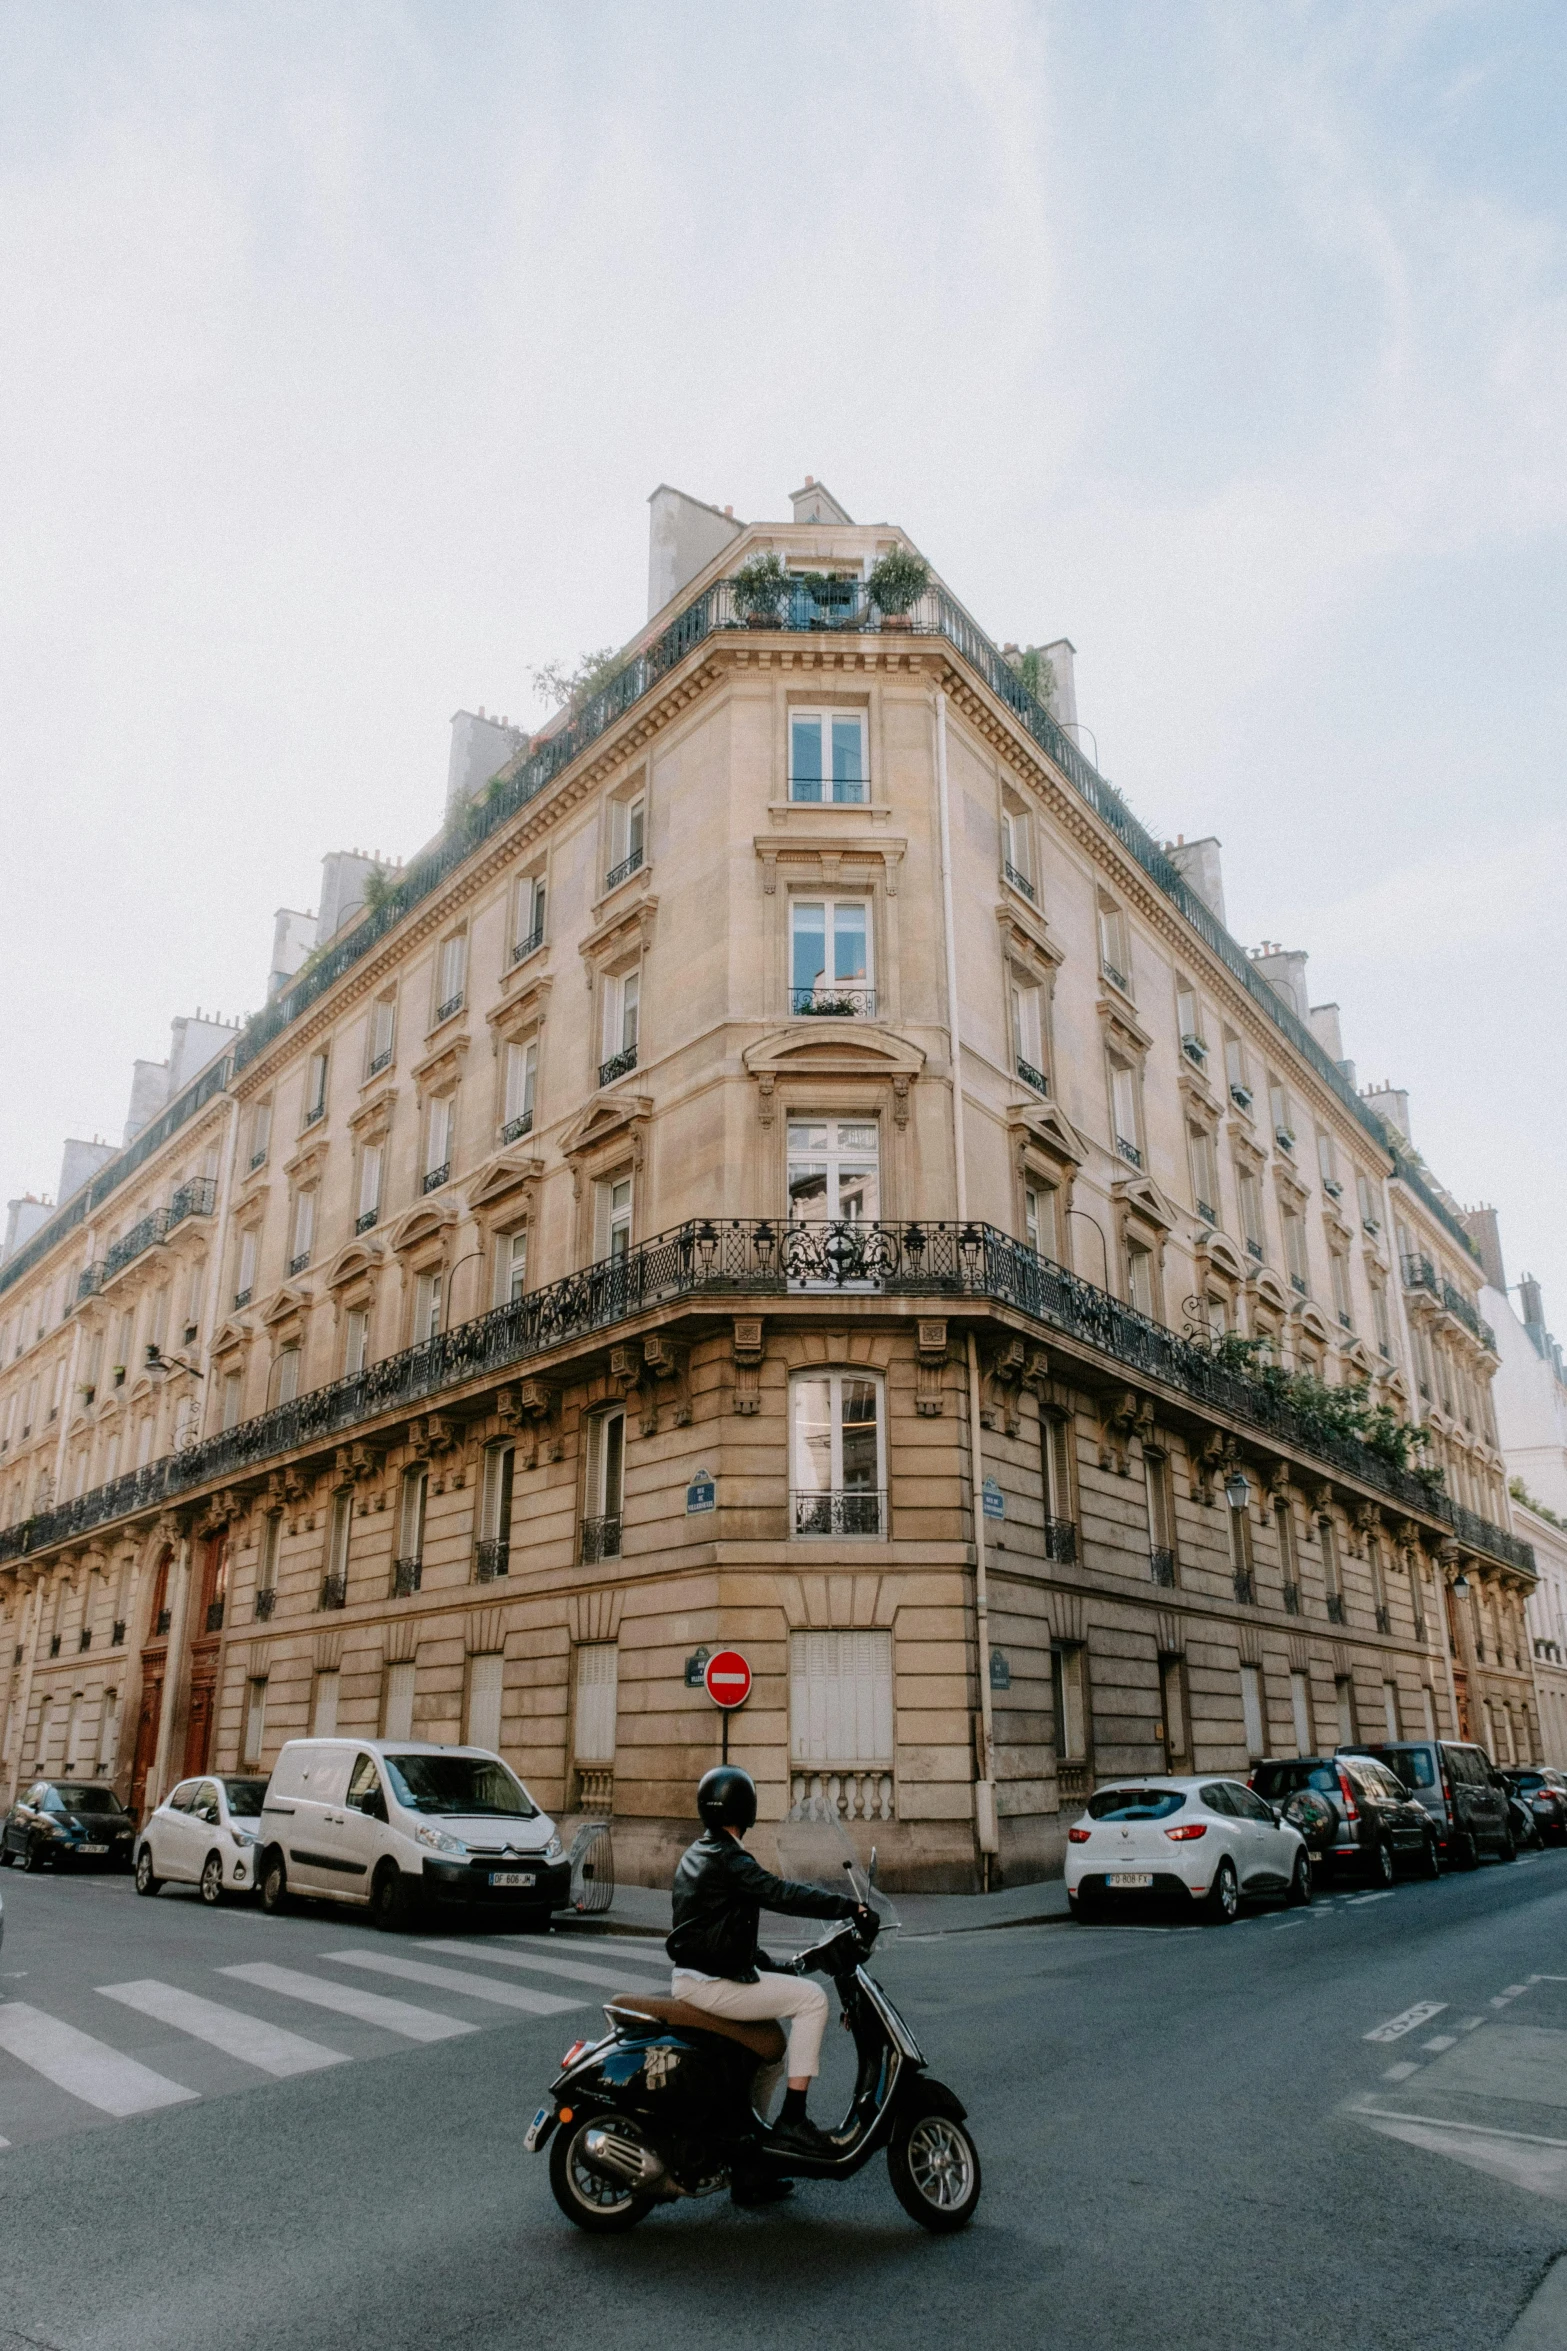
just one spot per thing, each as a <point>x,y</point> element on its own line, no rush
<point>763,2038</point>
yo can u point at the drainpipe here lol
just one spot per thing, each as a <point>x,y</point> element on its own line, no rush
<point>1411,1366</point>
<point>175,1679</point>
<point>985,1786</point>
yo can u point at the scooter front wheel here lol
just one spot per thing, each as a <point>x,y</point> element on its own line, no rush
<point>934,2167</point>
<point>603,2207</point>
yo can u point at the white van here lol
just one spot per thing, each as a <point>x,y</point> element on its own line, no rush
<point>392,1823</point>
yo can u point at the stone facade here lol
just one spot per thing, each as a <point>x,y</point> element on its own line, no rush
<point>576,1272</point>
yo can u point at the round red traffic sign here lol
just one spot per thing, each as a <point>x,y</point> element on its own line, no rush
<point>727,1678</point>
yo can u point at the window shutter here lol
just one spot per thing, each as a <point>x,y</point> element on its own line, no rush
<point>598,1665</point>
<point>399,1701</point>
<point>485,1677</point>
<point>841,1698</point>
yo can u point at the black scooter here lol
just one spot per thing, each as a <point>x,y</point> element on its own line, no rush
<point>661,2107</point>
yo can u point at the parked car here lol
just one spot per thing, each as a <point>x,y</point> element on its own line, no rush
<point>206,1833</point>
<point>1208,1843</point>
<point>1455,1783</point>
<point>1362,1820</point>
<point>1545,1793</point>
<point>394,1824</point>
<point>63,1823</point>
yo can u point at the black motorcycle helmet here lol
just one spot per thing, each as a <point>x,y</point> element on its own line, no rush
<point>726,1798</point>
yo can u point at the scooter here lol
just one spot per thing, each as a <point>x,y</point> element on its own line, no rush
<point>660,2108</point>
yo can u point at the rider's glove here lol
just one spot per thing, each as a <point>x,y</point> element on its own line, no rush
<point>867,1922</point>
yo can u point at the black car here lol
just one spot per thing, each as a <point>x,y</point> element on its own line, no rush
<point>1461,1793</point>
<point>67,1823</point>
<point>1545,1794</point>
<point>1355,1815</point>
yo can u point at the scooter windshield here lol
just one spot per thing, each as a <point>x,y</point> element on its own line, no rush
<point>820,1848</point>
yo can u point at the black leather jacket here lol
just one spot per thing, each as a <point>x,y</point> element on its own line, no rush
<point>719,1891</point>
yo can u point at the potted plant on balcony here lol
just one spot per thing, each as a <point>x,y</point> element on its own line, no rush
<point>759,590</point>
<point>897,581</point>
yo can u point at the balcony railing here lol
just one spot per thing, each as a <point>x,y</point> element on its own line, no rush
<point>84,1638</point>
<point>623,871</point>
<point>1019,881</point>
<point>1116,978</point>
<point>1292,1599</point>
<point>1129,1151</point>
<point>435,1177</point>
<point>298,1264</point>
<point>242,1298</point>
<point>848,1791</point>
<point>1336,1608</point>
<point>453,1004</point>
<point>407,1575</point>
<point>1195,1050</point>
<point>530,945</point>
<point>266,1602</point>
<point>1421,1274</point>
<point>334,1591</point>
<point>746,1257</point>
<point>858,1510</point>
<point>492,1558</point>
<point>619,1065</point>
<point>141,1236</point>
<point>367,1220</point>
<point>1246,1586</point>
<point>600,1540</point>
<point>197,1198</point>
<point>379,1062</point>
<point>1207,1212</point>
<point>827,1000</point>
<point>1032,1076</point>
<point>1061,1540</point>
<point>117,1633</point>
<point>1161,1567</point>
<point>515,1128</point>
<point>89,1280</point>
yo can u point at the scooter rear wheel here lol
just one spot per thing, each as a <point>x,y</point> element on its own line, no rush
<point>934,2168</point>
<point>593,2203</point>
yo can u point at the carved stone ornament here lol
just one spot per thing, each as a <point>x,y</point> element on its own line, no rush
<point>531,1408</point>
<point>1128,1415</point>
<point>748,1353</point>
<point>1001,1387</point>
<point>930,1365</point>
<point>1211,1462</point>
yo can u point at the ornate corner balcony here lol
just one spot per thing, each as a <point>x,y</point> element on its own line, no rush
<point>827,1000</point>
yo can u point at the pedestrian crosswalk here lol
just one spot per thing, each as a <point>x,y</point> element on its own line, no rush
<point>229,2027</point>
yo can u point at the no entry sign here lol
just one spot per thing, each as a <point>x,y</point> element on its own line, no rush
<point>727,1679</point>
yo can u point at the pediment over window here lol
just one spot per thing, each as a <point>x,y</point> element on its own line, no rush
<point>500,1177</point>
<point>854,1048</point>
<point>306,1166</point>
<point>439,1072</point>
<point>1312,1319</point>
<point>523,1010</point>
<point>1246,1152</point>
<point>1140,1196</point>
<point>1213,1249</point>
<point>1198,1096</point>
<point>424,1223</point>
<point>607,1117</point>
<point>1289,1182</point>
<point>1025,938</point>
<point>293,1298</point>
<point>1358,1355</point>
<point>358,1258</point>
<point>372,1119</point>
<point>629,927</point>
<point>1270,1290</point>
<point>1048,1129</point>
<point>1121,1028</point>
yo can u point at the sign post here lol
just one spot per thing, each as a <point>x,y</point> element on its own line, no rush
<point>727,1679</point>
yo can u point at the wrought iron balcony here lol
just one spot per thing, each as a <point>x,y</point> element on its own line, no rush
<point>117,1633</point>
<point>530,945</point>
<point>1116,978</point>
<point>54,1644</point>
<point>1129,1151</point>
<point>1292,1599</point>
<point>380,1062</point>
<point>858,1510</point>
<point>334,1591</point>
<point>1207,1212</point>
<point>163,1620</point>
<point>600,1540</point>
<point>1061,1540</point>
<point>1285,1139</point>
<point>88,1281</point>
<point>1019,881</point>
<point>258,1159</point>
<point>515,1128</point>
<point>828,1000</point>
<point>492,1558</point>
<point>84,1638</point>
<point>197,1198</point>
<point>266,1602</point>
<point>453,1004</point>
<point>1241,1097</point>
<point>1161,1568</point>
<point>242,1298</point>
<point>435,1177</point>
<point>623,871</point>
<point>299,1263</point>
<point>141,1236</point>
<point>367,1220</point>
<point>1384,1620</point>
<point>314,1115</point>
<point>407,1575</point>
<point>1298,1284</point>
<point>619,1065</point>
<point>1245,1586</point>
<point>1254,1248</point>
<point>1195,1050</point>
<point>1333,1188</point>
<point>1421,1274</point>
<point>1336,1608</point>
<point>215,1616</point>
<point>1032,1076</point>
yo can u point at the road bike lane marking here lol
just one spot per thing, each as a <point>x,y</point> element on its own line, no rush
<point>1406,2020</point>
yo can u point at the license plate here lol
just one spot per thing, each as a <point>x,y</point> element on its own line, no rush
<point>1125,1879</point>
<point>530,2142</point>
<point>92,1848</point>
<point>511,1877</point>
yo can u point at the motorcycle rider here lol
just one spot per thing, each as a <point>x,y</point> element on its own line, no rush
<point>719,1891</point>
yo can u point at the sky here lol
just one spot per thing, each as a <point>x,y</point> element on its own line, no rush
<point>344,343</point>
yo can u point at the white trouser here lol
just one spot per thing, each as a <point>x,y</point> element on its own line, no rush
<point>793,1996</point>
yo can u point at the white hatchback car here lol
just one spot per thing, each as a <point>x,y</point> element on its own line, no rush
<point>205,1833</point>
<point>1210,1840</point>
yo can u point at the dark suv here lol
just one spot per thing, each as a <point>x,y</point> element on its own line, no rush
<point>1354,1814</point>
<point>1544,1792</point>
<point>62,1821</point>
<point>1455,1785</point>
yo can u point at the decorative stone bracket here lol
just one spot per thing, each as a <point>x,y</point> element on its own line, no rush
<point>532,1410</point>
<point>639,1374</point>
<point>1129,1416</point>
<point>748,1353</point>
<point>1211,1462</point>
<point>930,1363</point>
<point>1013,1366</point>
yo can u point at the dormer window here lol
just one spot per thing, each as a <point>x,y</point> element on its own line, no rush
<point>827,756</point>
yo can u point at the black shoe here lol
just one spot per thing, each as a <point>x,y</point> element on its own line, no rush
<point>800,2138</point>
<point>756,2188</point>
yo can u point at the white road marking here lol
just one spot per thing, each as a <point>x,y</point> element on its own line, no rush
<point>1442,2122</point>
<point>1442,2041</point>
<point>451,1979</point>
<point>1406,2021</point>
<point>1471,2024</point>
<point>575,1969</point>
<point>1401,2073</point>
<point>89,2069</point>
<point>1511,1991</point>
<point>394,2016</point>
<point>266,2046</point>
<point>1358,1901</point>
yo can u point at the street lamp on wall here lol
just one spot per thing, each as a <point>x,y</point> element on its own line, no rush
<point>1237,1489</point>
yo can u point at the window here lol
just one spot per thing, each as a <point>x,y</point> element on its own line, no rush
<point>1172,1700</point>
<point>233,1404</point>
<point>287,1375</point>
<point>1338,1267</point>
<point>248,1243</point>
<point>410,1520</point>
<point>339,1534</point>
<point>1055,1444</point>
<point>1188,1020</point>
<point>315,1088</point>
<point>1379,1318</point>
<point>522,1077</point>
<point>1161,1515</point>
<point>486,1677</point>
<point>1242,1561</point>
<point>836,1446</point>
<point>829,956</point>
<point>598,1673</point>
<point>1249,1193</point>
<point>1390,1709</point>
<point>1235,1072</point>
<point>1204,1173</point>
<point>1289,1563</point>
<point>1069,1689</point>
<point>109,1736</point>
<point>371,1161</point>
<point>356,1341</point>
<point>304,1231</point>
<point>613,1218</point>
<point>397,1702</point>
<point>1039,1217</point>
<point>528,917</point>
<point>427,1307</point>
<point>271,1543</point>
<point>1028,1035</point>
<point>323,1708</point>
<point>1344,1707</point>
<point>1327,1164</point>
<point>1114,961</point>
<point>1252,1709</point>
<point>1300,1710</point>
<point>494,1555</point>
<point>1370,1215</point>
<point>1123,1111</point>
<point>622,1024</point>
<point>451,974</point>
<point>833,1170</point>
<point>1282,1116</point>
<point>260,1132</point>
<point>1139,1278</point>
<point>383,1034</point>
<point>438,1141</point>
<point>511,1267</point>
<point>606,1487</point>
<point>255,1719</point>
<point>627,838</point>
<point>1295,1250</point>
<point>841,1701</point>
<point>827,756</point>
<point>194,1290</point>
<point>1017,862</point>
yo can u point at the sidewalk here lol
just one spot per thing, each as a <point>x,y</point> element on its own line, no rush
<point>644,1910</point>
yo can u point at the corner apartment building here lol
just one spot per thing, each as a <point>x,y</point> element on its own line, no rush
<point>779,1170</point>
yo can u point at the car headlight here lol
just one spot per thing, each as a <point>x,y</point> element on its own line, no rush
<point>244,1839</point>
<point>554,1849</point>
<point>438,1841</point>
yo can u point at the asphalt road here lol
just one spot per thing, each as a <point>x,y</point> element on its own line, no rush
<point>1188,2138</point>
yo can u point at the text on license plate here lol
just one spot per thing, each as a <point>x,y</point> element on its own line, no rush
<point>1127,1878</point>
<point>92,1848</point>
<point>511,1877</point>
<point>531,2140</point>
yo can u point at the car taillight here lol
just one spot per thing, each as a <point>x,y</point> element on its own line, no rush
<point>1447,1792</point>
<point>1187,1830</point>
<point>573,2053</point>
<point>1251,1779</point>
<point>1078,1836</point>
<point>1351,1808</point>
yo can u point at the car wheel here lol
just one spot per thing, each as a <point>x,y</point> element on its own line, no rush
<point>605,2208</point>
<point>934,2168</point>
<point>211,1884</point>
<point>274,1881</point>
<point>1223,1905</point>
<point>1382,1870</point>
<point>6,1856</point>
<point>1466,1853</point>
<point>147,1882</point>
<point>1507,1850</point>
<point>32,1856</point>
<point>1432,1858</point>
<point>1300,1884</point>
<point>394,1899</point>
